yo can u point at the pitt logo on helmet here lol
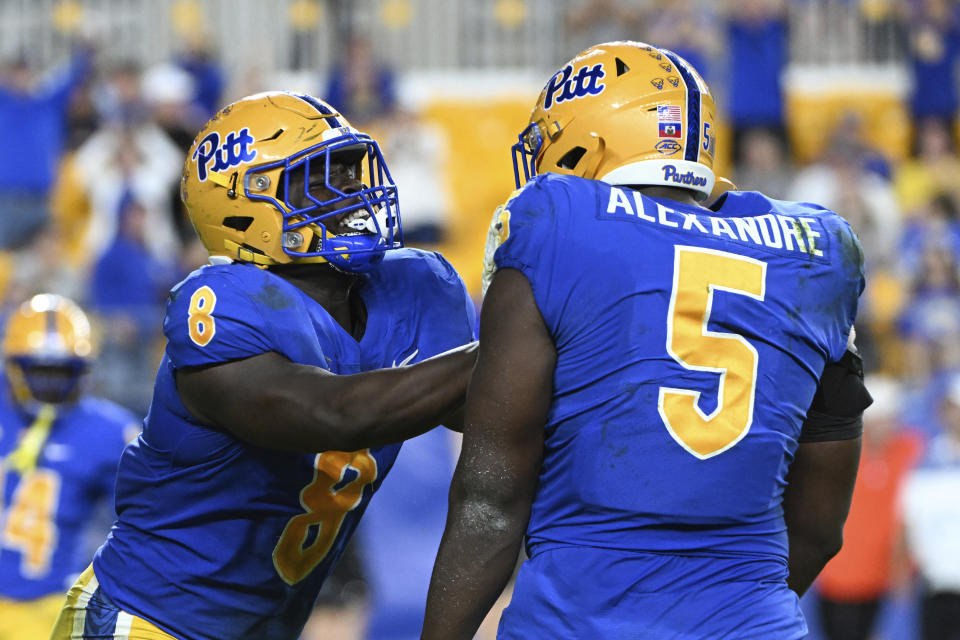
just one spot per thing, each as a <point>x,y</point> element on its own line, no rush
<point>569,86</point>
<point>235,150</point>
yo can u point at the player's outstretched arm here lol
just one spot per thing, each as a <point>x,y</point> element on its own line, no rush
<point>815,506</point>
<point>269,401</point>
<point>824,469</point>
<point>493,486</point>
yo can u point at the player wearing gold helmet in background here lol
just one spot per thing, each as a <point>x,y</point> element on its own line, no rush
<point>59,448</point>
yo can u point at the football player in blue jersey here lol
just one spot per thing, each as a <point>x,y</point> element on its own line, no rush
<point>664,401</point>
<point>59,448</point>
<point>296,363</point>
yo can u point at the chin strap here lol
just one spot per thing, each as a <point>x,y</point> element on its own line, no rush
<point>24,458</point>
<point>243,254</point>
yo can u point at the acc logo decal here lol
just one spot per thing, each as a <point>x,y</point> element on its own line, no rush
<point>565,85</point>
<point>234,150</point>
<point>674,80</point>
<point>657,82</point>
<point>668,147</point>
<point>666,66</point>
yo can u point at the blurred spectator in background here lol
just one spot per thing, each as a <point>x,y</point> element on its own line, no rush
<point>933,49</point>
<point>930,322</point>
<point>33,119</point>
<point>418,156</point>
<point>764,164</point>
<point>593,21</point>
<point>849,179</point>
<point>686,27</point>
<point>934,224</point>
<point>83,117</point>
<point>363,86</point>
<point>131,154</point>
<point>304,16</point>
<point>42,267</point>
<point>128,287</point>
<point>59,449</point>
<point>119,96</point>
<point>931,514</point>
<point>170,95</point>
<point>854,583</point>
<point>881,29</point>
<point>756,37</point>
<point>931,170</point>
<point>209,81</point>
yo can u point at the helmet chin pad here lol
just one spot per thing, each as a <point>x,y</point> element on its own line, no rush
<point>357,253</point>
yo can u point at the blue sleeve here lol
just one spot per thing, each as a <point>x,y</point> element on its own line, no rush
<point>851,267</point>
<point>387,89</point>
<point>334,93</point>
<point>62,84</point>
<point>530,246</point>
<point>116,426</point>
<point>457,307</point>
<point>428,302</point>
<point>211,319</point>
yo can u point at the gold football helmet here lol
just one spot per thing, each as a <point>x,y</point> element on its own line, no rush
<point>626,113</point>
<point>47,347</point>
<point>256,185</point>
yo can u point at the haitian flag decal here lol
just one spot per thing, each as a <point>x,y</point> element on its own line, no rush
<point>670,117</point>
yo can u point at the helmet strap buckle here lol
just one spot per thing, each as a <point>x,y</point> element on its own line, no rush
<point>232,188</point>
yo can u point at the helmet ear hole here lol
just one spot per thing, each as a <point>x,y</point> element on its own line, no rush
<point>622,67</point>
<point>240,223</point>
<point>571,158</point>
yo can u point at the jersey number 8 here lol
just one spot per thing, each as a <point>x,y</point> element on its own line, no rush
<point>199,316</point>
<point>339,480</point>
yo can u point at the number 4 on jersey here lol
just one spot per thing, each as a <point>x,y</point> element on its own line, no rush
<point>698,273</point>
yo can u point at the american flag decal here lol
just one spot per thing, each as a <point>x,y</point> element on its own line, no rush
<point>669,113</point>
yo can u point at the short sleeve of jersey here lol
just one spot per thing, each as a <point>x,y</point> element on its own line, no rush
<point>455,306</point>
<point>850,267</point>
<point>532,221</point>
<point>210,319</point>
<point>118,426</point>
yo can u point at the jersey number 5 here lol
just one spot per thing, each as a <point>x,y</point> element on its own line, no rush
<point>338,483</point>
<point>697,274</point>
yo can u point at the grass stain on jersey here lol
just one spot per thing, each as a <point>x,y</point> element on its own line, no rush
<point>273,298</point>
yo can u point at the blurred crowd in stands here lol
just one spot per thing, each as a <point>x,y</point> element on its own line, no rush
<point>90,208</point>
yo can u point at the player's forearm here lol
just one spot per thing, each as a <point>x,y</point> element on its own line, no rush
<point>807,558</point>
<point>815,505</point>
<point>475,561</point>
<point>392,405</point>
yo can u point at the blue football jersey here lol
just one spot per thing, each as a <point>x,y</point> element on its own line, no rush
<point>689,346</point>
<point>44,515</point>
<point>217,539</point>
